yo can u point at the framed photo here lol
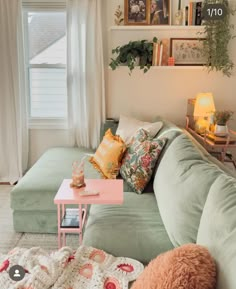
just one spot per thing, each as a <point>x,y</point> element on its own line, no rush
<point>137,12</point>
<point>159,12</point>
<point>187,51</point>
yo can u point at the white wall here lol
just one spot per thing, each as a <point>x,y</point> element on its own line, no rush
<point>43,139</point>
<point>159,92</point>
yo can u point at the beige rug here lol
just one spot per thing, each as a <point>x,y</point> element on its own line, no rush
<point>10,239</point>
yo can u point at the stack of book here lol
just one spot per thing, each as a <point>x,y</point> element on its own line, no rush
<point>157,54</point>
<point>219,139</point>
<point>161,53</point>
<point>71,219</point>
<point>193,13</point>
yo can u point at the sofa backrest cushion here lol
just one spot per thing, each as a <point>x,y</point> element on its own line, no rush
<point>109,123</point>
<point>169,131</point>
<point>128,128</point>
<point>181,185</point>
<point>217,230</point>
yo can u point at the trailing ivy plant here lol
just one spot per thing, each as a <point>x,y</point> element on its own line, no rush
<point>129,53</point>
<point>217,34</point>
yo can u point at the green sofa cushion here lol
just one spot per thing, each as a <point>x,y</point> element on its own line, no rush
<point>169,131</point>
<point>181,185</point>
<point>134,229</point>
<point>217,230</point>
<point>37,189</point>
<point>40,221</point>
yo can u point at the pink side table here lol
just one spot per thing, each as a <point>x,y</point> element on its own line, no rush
<point>111,192</point>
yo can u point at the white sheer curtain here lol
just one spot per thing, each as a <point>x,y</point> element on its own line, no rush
<point>85,70</point>
<point>13,122</point>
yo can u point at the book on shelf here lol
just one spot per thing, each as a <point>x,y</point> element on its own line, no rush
<point>165,51</point>
<point>157,54</point>
<point>193,13</point>
<point>190,13</point>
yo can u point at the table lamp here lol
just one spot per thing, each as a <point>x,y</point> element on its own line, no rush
<point>203,109</point>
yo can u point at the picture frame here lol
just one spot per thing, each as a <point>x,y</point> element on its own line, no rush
<point>136,12</point>
<point>159,12</point>
<point>186,51</point>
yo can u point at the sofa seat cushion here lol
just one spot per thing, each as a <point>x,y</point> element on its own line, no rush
<point>134,229</point>
<point>37,189</point>
<point>217,230</point>
<point>182,183</point>
<point>40,222</point>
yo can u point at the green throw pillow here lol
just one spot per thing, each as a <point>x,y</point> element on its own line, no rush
<point>140,159</point>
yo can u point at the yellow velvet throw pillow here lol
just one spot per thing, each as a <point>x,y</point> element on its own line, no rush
<point>108,156</point>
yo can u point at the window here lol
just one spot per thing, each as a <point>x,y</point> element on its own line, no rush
<point>45,38</point>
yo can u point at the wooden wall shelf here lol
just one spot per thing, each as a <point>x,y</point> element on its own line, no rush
<point>155,28</point>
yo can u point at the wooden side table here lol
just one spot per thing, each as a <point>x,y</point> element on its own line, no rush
<point>110,192</point>
<point>214,144</point>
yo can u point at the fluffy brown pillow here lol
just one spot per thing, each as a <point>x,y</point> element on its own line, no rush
<point>187,267</point>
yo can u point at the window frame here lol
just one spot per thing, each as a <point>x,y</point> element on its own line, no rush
<point>41,122</point>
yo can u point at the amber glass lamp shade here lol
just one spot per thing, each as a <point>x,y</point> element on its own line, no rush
<point>204,107</point>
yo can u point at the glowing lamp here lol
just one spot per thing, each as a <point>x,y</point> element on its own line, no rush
<point>203,109</point>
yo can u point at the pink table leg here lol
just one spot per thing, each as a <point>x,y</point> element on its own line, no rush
<point>59,225</point>
<point>63,234</point>
<point>80,224</point>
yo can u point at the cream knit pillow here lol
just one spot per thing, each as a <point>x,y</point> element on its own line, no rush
<point>129,126</point>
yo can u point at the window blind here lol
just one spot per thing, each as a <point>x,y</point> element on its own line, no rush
<point>52,5</point>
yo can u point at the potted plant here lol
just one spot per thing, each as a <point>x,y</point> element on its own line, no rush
<point>217,34</point>
<point>134,53</point>
<point>221,117</point>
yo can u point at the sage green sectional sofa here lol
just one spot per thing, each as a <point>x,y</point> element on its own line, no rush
<point>192,199</point>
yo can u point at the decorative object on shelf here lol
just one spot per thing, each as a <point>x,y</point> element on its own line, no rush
<point>159,12</point>
<point>179,15</point>
<point>217,34</point>
<point>128,53</point>
<point>221,118</point>
<point>203,108</point>
<point>137,12</point>
<point>118,16</point>
<point>171,61</point>
<point>187,51</point>
<point>78,174</point>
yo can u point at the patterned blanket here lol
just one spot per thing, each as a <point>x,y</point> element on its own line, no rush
<point>87,267</point>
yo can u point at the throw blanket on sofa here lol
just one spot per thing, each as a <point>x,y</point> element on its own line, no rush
<point>67,269</point>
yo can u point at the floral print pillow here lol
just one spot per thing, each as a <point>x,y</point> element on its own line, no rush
<point>140,159</point>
